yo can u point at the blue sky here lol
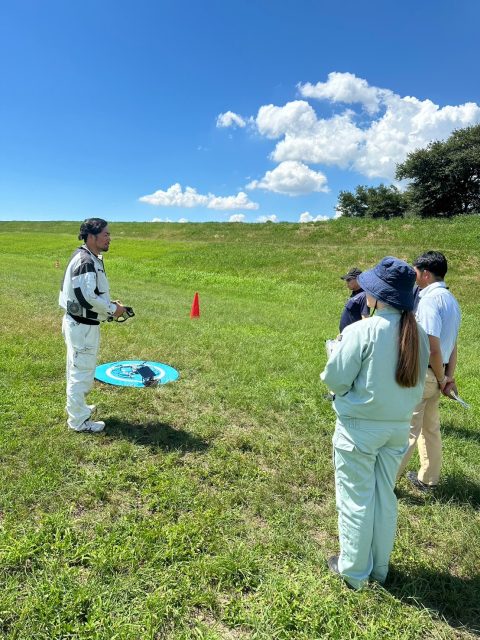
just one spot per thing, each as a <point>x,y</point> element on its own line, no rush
<point>212,110</point>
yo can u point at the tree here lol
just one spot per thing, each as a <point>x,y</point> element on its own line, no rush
<point>372,202</point>
<point>445,176</point>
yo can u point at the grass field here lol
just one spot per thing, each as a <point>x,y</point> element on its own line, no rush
<point>206,509</point>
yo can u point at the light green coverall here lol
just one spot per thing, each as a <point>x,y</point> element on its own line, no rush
<point>370,439</point>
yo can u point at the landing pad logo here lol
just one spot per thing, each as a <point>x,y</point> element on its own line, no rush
<point>136,373</point>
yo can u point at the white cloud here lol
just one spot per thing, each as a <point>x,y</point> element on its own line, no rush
<point>272,218</point>
<point>182,220</point>
<point>395,126</point>
<point>347,88</point>
<point>240,201</point>
<point>237,217</point>
<point>174,196</point>
<point>230,119</point>
<point>294,118</point>
<point>160,220</point>
<point>333,142</point>
<point>408,124</point>
<point>307,217</point>
<point>291,178</point>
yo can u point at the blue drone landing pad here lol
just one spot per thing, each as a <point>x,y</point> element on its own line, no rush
<point>124,373</point>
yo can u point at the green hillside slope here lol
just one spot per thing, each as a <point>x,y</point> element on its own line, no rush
<point>206,510</point>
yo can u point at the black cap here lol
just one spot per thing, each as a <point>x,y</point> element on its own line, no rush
<point>353,273</point>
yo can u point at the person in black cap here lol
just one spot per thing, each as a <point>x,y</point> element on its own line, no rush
<point>356,306</point>
<point>377,373</point>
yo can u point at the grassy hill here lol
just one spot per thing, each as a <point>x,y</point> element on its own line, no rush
<point>206,510</point>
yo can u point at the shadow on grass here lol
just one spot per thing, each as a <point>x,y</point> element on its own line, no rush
<point>155,435</point>
<point>458,489</point>
<point>455,599</point>
<point>449,429</point>
<point>453,489</point>
<point>410,496</point>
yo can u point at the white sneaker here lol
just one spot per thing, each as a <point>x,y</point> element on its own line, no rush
<point>91,426</point>
<point>92,407</point>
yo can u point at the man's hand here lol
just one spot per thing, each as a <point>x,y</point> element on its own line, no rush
<point>449,387</point>
<point>120,310</point>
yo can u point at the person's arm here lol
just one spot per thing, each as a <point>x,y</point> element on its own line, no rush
<point>450,373</point>
<point>436,362</point>
<point>345,320</point>
<point>429,318</point>
<point>345,363</point>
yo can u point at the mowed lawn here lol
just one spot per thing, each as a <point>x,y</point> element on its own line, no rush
<point>206,510</point>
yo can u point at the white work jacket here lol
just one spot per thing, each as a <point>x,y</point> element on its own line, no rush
<point>85,293</point>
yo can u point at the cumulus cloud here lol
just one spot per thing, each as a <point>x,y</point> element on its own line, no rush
<point>408,124</point>
<point>240,201</point>
<point>237,217</point>
<point>295,118</point>
<point>174,196</point>
<point>182,220</point>
<point>291,178</point>
<point>272,218</point>
<point>307,217</point>
<point>347,88</point>
<point>161,220</point>
<point>334,141</point>
<point>375,133</point>
<point>230,119</point>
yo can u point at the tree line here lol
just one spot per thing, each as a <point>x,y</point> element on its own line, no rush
<point>444,181</point>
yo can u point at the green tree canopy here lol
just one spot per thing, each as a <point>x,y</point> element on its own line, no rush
<point>372,202</point>
<point>445,176</point>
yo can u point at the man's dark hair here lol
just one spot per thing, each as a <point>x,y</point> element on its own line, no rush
<point>93,226</point>
<point>432,261</point>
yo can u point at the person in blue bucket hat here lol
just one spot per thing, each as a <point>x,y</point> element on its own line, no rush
<point>377,374</point>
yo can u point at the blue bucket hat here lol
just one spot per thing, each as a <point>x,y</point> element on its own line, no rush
<point>390,281</point>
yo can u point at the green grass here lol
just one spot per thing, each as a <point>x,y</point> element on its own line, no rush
<point>206,510</point>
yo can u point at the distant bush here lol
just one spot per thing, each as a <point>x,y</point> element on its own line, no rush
<point>372,202</point>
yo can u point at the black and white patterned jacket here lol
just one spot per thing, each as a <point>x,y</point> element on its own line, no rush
<point>85,293</point>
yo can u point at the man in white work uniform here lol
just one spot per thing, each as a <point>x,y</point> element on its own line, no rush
<point>438,313</point>
<point>85,298</point>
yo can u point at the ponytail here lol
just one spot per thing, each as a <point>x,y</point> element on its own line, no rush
<point>408,347</point>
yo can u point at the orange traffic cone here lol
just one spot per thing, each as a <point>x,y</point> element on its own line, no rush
<point>195,311</point>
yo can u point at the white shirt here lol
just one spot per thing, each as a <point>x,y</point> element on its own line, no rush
<point>439,314</point>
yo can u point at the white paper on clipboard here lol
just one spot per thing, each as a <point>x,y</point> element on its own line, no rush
<point>331,345</point>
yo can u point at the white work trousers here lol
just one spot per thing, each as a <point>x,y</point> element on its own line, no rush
<point>367,457</point>
<point>83,341</point>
